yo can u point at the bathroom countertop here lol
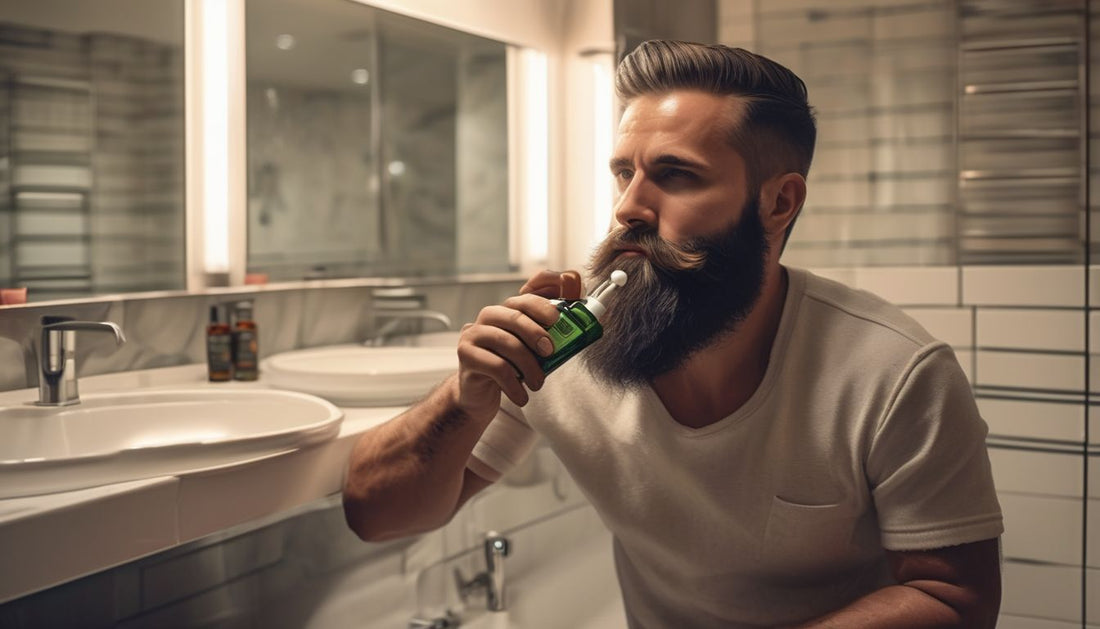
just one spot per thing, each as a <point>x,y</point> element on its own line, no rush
<point>58,537</point>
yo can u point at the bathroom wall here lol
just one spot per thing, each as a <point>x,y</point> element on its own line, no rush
<point>977,228</point>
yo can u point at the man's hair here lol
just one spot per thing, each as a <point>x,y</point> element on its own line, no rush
<point>776,132</point>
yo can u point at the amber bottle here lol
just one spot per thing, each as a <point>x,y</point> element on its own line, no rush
<point>219,345</point>
<point>246,351</point>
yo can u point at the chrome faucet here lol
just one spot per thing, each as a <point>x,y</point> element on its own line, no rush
<point>446,621</point>
<point>57,358</point>
<point>399,317</point>
<point>491,582</point>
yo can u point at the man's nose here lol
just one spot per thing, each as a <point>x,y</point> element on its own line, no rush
<point>636,207</point>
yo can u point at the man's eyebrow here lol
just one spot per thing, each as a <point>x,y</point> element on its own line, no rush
<point>619,163</point>
<point>665,159</point>
<point>675,160</point>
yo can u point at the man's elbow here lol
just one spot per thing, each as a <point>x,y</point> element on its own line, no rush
<point>965,607</point>
<point>375,520</point>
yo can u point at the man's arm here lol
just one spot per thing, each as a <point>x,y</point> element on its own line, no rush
<point>409,475</point>
<point>958,586</point>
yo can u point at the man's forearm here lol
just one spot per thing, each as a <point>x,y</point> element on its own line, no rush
<point>899,607</point>
<point>406,476</point>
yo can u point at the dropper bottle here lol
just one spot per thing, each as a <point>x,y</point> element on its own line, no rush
<point>578,325</point>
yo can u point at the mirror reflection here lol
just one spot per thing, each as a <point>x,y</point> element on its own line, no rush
<point>91,148</point>
<point>377,144</point>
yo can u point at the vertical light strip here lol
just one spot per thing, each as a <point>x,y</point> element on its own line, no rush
<point>603,127</point>
<point>215,56</point>
<point>515,149</point>
<point>535,127</point>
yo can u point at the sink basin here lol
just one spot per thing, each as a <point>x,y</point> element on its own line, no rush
<point>360,375</point>
<point>110,438</point>
<point>427,339</point>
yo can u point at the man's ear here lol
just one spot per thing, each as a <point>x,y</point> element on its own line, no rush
<point>781,200</point>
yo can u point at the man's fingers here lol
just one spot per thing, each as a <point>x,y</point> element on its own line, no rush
<point>570,285</point>
<point>554,284</point>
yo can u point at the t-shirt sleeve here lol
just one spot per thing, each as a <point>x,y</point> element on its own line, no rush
<point>504,444</point>
<point>928,465</point>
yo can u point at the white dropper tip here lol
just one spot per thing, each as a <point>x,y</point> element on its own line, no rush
<point>595,303</point>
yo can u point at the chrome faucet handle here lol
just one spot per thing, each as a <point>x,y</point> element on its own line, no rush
<point>497,547</point>
<point>491,581</point>
<point>398,318</point>
<point>57,357</point>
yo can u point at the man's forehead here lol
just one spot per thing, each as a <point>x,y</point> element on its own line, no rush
<point>688,103</point>
<point>694,125</point>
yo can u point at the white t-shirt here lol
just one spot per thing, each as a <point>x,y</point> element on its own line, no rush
<point>862,436</point>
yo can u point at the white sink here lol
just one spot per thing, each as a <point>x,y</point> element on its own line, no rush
<point>427,339</point>
<point>361,375</point>
<point>109,438</point>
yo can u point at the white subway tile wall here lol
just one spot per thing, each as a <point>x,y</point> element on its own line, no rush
<point>1022,286</point>
<point>1044,529</point>
<point>1050,330</point>
<point>1046,592</point>
<point>1054,420</point>
<point>884,189</point>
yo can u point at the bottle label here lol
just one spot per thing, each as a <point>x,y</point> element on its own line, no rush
<point>563,331</point>
<point>574,330</point>
<point>245,359</point>
<point>219,353</point>
<point>244,349</point>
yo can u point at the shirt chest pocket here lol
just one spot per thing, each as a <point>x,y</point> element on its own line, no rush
<point>805,542</point>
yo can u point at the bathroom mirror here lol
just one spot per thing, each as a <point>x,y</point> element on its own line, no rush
<point>377,144</point>
<point>91,147</point>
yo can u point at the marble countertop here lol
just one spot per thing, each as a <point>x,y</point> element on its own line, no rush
<point>57,537</point>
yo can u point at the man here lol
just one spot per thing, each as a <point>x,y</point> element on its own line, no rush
<point>767,447</point>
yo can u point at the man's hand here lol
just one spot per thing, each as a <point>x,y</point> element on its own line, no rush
<point>496,353</point>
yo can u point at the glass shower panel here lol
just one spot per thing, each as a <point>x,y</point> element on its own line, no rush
<point>882,79</point>
<point>1020,132</point>
<point>312,164</point>
<point>1092,430</point>
<point>377,144</point>
<point>444,179</point>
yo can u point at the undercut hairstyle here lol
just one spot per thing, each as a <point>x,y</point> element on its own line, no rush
<point>775,131</point>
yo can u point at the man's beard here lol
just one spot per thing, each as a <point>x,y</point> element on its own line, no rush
<point>677,300</point>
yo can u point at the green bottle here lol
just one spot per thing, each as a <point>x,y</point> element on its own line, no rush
<point>578,325</point>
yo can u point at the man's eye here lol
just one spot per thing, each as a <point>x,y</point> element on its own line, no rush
<point>624,175</point>
<point>675,173</point>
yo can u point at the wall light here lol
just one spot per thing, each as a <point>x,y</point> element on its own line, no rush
<point>534,119</point>
<point>603,118</point>
<point>285,41</point>
<point>215,135</point>
<point>360,76</point>
<point>216,170</point>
